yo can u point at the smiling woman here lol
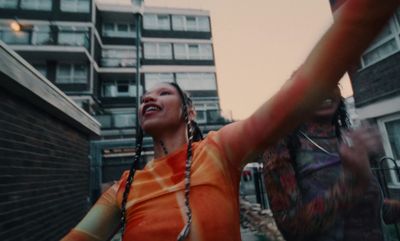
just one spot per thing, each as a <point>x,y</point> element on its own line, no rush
<point>190,190</point>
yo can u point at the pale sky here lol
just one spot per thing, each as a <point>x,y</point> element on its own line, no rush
<point>258,44</point>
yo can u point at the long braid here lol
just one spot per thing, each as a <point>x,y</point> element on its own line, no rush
<point>186,102</point>
<point>197,134</point>
<point>129,180</point>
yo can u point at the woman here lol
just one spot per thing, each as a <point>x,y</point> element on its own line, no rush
<point>190,190</point>
<point>304,176</point>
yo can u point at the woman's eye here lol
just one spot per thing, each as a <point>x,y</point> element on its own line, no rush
<point>165,93</point>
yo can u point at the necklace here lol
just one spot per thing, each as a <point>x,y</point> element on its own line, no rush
<point>315,144</point>
<point>164,148</point>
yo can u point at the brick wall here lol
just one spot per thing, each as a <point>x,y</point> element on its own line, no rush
<point>44,173</point>
<point>377,82</point>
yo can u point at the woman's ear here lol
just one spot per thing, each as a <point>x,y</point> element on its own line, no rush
<point>192,113</point>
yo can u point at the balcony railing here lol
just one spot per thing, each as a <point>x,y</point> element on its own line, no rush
<point>117,121</point>
<point>212,117</point>
<point>42,38</point>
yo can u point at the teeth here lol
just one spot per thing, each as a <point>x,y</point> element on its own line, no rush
<point>328,101</point>
<point>152,108</point>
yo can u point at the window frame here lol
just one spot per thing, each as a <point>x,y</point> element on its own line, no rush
<point>4,6</point>
<point>202,52</point>
<point>156,78</point>
<point>131,91</point>
<point>76,6</point>
<point>393,28</point>
<point>157,25</point>
<point>37,5</point>
<point>387,146</point>
<point>191,78</point>
<point>72,74</point>
<point>158,52</point>
<point>116,33</point>
<point>183,20</point>
<point>126,59</point>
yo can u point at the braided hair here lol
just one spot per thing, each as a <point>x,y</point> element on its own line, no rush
<point>194,134</point>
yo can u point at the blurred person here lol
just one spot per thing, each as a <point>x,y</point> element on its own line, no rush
<point>312,191</point>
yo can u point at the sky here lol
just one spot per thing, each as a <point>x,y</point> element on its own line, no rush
<point>257,45</point>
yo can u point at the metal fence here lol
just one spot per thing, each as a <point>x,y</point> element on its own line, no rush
<point>383,170</point>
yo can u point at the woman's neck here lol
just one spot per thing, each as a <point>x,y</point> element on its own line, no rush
<point>169,142</point>
<point>317,128</point>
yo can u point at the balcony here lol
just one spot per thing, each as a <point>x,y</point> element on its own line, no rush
<point>45,36</point>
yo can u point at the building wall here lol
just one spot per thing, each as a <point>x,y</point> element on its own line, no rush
<point>44,154</point>
<point>377,82</point>
<point>44,173</point>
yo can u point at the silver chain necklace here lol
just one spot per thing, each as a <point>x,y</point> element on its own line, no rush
<point>315,144</point>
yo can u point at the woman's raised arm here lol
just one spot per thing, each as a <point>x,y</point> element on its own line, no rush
<point>357,23</point>
<point>101,222</point>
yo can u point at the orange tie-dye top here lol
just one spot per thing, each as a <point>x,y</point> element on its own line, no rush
<point>155,207</point>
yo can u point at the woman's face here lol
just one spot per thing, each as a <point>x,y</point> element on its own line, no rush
<point>160,108</point>
<point>328,108</point>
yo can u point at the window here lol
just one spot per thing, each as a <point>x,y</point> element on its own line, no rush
<point>156,22</point>
<point>201,116</point>
<point>386,44</point>
<point>152,79</point>
<point>71,73</point>
<point>191,23</point>
<point>41,35</point>
<point>157,51</point>
<point>393,130</point>
<point>120,118</point>
<point>124,120</point>
<point>380,52</point>
<point>196,81</point>
<point>121,30</point>
<point>8,3</point>
<point>79,6</point>
<point>73,36</point>
<point>205,111</point>
<point>390,130</point>
<point>36,4</point>
<point>108,27</point>
<point>193,51</point>
<point>120,89</point>
<point>105,120</point>
<point>118,57</point>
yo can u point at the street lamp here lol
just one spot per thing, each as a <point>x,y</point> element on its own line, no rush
<point>15,26</point>
<point>137,9</point>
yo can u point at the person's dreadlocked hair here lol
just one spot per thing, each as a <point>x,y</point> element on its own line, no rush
<point>194,134</point>
<point>340,120</point>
